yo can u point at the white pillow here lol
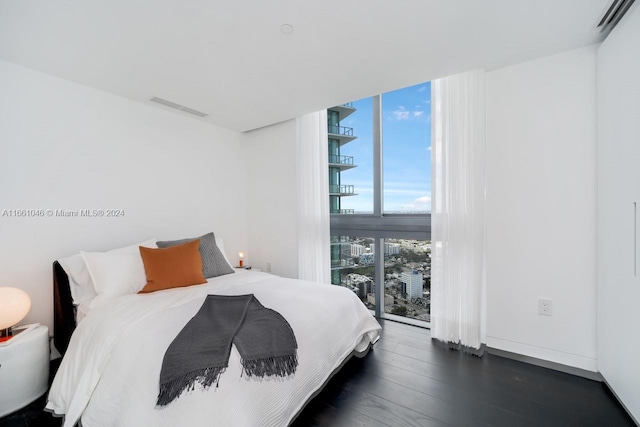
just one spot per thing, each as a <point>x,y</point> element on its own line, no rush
<point>117,272</point>
<point>220,245</point>
<point>80,282</point>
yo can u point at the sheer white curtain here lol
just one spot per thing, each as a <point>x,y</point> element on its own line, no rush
<point>458,200</point>
<point>312,163</point>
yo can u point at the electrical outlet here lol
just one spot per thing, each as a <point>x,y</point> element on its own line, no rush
<point>268,267</point>
<point>545,307</point>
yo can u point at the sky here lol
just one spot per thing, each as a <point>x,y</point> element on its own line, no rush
<point>406,140</point>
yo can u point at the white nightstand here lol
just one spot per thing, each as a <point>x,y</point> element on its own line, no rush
<point>24,370</point>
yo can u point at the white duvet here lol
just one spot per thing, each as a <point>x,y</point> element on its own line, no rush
<point>109,375</point>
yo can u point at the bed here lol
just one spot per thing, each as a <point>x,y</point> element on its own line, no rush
<point>112,358</point>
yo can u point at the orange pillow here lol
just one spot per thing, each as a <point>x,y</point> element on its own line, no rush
<point>173,267</point>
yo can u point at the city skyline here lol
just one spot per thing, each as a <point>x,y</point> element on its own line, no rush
<point>407,274</point>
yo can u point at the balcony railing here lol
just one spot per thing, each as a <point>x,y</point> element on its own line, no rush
<point>341,160</point>
<point>343,211</point>
<point>340,130</point>
<point>341,189</point>
<point>341,263</point>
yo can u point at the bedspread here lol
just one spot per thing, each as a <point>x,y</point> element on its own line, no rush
<point>109,375</point>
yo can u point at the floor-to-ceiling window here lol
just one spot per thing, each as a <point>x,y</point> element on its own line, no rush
<point>381,230</point>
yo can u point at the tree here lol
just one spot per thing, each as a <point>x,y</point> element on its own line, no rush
<point>413,256</point>
<point>400,310</point>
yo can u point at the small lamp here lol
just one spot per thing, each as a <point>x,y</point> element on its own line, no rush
<point>14,306</point>
<point>241,255</point>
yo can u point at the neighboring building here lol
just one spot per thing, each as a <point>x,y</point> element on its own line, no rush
<point>367,258</point>
<point>340,256</point>
<point>357,250</point>
<point>412,283</point>
<point>389,248</point>
<point>388,299</point>
<point>361,284</point>
<point>364,289</point>
<point>339,136</point>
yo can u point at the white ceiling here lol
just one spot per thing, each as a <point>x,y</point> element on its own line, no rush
<point>229,58</point>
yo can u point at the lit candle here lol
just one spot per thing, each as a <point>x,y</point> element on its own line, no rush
<point>241,255</point>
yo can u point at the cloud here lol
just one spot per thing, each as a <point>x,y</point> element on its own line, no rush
<point>403,114</point>
<point>422,88</point>
<point>420,204</point>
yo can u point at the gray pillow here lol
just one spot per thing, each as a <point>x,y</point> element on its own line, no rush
<point>213,262</point>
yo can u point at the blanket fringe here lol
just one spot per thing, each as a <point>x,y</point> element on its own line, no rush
<point>281,366</point>
<point>171,390</point>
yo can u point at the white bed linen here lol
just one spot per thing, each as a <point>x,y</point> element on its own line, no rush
<point>82,310</point>
<point>109,375</point>
<point>80,283</point>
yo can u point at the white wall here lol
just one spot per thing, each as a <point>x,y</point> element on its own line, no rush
<point>271,215</point>
<point>618,189</point>
<point>66,146</point>
<point>541,207</point>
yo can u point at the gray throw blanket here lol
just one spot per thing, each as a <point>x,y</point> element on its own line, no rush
<point>200,352</point>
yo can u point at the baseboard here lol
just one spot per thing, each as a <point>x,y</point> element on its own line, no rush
<point>595,376</point>
<point>579,361</point>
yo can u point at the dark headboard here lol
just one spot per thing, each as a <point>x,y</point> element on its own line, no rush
<point>64,319</point>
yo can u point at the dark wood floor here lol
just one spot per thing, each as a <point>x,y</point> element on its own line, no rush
<point>409,381</point>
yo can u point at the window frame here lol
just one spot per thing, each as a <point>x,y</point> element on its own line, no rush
<point>379,225</point>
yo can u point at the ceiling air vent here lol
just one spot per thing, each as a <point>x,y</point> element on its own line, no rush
<point>178,107</point>
<point>614,14</point>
